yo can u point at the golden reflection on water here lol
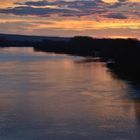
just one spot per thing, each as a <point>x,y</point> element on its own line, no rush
<point>63,98</point>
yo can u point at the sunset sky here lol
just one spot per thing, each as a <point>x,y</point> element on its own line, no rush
<point>96,18</point>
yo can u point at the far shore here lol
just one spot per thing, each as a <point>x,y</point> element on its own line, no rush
<point>120,54</point>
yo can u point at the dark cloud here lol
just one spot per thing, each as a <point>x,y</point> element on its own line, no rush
<point>26,10</point>
<point>62,8</point>
<point>116,16</point>
<point>77,4</point>
<point>122,1</point>
<point>33,3</point>
<point>61,2</point>
<point>71,8</point>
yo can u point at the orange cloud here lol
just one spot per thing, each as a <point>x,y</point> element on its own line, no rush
<point>81,25</point>
<point>110,1</point>
<point>6,3</point>
<point>134,0</point>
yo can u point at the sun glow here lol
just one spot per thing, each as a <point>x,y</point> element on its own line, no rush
<point>87,25</point>
<point>110,1</point>
<point>134,0</point>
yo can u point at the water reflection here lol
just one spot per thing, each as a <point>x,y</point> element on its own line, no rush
<point>55,97</point>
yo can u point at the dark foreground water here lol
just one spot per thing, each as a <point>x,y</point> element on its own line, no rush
<point>57,97</point>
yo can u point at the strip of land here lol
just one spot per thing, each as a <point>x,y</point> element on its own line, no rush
<point>120,54</point>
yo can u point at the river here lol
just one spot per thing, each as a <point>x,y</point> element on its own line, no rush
<point>46,96</point>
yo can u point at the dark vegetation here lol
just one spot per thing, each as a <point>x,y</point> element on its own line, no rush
<point>4,42</point>
<point>86,46</point>
<point>7,40</point>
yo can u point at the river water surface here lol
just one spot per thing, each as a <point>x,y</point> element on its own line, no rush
<point>58,97</point>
